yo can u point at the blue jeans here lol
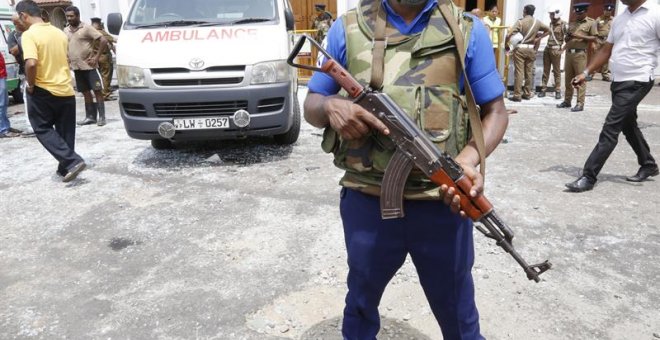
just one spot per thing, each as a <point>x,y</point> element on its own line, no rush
<point>4,100</point>
<point>441,247</point>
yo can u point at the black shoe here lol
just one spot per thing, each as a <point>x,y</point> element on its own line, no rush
<point>577,108</point>
<point>515,99</point>
<point>73,172</point>
<point>643,174</point>
<point>541,94</point>
<point>563,105</point>
<point>581,184</point>
<point>527,96</point>
<point>87,121</point>
<point>557,95</point>
<point>9,134</point>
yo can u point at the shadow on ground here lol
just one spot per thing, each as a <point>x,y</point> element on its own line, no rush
<point>216,153</point>
<point>572,170</point>
<point>390,330</point>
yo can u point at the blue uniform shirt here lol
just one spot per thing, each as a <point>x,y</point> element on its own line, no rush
<point>479,60</point>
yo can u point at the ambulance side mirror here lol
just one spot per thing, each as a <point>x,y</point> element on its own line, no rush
<point>114,23</point>
<point>289,20</point>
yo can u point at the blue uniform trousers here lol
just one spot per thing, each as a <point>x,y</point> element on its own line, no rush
<point>441,247</point>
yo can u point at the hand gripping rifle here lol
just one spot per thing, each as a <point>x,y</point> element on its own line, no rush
<point>415,149</point>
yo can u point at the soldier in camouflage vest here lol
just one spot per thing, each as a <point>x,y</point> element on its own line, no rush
<point>422,72</point>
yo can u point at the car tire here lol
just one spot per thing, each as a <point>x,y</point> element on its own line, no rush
<point>162,144</point>
<point>291,136</point>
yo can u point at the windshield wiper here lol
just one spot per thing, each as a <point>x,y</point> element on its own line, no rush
<point>209,23</point>
<point>175,23</point>
<point>248,21</point>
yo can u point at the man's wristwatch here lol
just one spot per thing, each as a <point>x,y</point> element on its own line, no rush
<point>586,73</point>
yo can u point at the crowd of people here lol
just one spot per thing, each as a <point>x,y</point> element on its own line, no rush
<point>47,56</point>
<point>574,40</point>
<point>103,67</point>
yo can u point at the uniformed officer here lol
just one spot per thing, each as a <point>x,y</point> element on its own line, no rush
<point>105,61</point>
<point>553,51</point>
<point>524,53</point>
<point>603,24</point>
<point>580,33</point>
<point>322,22</point>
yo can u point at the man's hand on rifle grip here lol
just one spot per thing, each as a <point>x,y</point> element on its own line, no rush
<point>449,194</point>
<point>350,120</point>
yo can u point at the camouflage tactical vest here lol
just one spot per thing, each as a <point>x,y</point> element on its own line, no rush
<point>422,76</point>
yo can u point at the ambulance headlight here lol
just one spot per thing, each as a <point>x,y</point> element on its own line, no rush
<point>130,76</point>
<point>270,72</point>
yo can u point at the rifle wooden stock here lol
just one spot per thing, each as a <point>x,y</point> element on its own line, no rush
<point>343,78</point>
<point>474,207</point>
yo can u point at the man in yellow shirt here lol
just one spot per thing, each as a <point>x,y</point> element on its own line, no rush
<point>50,98</point>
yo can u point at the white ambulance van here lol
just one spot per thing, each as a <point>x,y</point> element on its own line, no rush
<point>206,69</point>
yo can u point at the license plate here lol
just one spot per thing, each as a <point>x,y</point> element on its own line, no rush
<point>201,123</point>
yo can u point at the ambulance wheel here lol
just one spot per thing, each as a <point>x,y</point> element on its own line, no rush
<point>162,144</point>
<point>291,136</point>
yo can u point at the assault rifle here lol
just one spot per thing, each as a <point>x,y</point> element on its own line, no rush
<point>414,148</point>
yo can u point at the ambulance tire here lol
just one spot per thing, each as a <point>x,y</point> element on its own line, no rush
<point>162,144</point>
<point>291,136</point>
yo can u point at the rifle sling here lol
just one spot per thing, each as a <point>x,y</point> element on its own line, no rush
<point>378,50</point>
<point>473,111</point>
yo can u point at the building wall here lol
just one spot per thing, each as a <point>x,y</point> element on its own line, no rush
<point>514,9</point>
<point>344,6</point>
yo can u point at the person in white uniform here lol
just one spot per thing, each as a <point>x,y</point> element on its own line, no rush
<point>631,50</point>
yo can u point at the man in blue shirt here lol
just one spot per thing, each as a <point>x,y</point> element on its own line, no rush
<point>437,236</point>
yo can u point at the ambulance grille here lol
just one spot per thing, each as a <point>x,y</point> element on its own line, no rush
<point>215,75</point>
<point>199,109</point>
<point>134,109</point>
<point>270,105</point>
<point>198,82</point>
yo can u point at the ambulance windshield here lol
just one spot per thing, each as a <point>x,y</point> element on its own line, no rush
<point>152,13</point>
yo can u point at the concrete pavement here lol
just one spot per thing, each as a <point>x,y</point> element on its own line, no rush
<point>242,240</point>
